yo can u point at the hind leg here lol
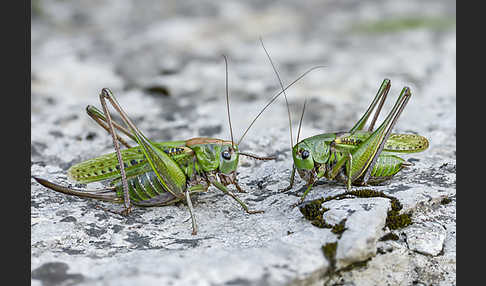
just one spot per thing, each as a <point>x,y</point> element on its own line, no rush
<point>380,97</point>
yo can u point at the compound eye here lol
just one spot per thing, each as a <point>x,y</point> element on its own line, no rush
<point>226,155</point>
<point>305,154</point>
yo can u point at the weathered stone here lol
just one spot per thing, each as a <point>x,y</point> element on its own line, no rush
<point>364,226</point>
<point>426,238</point>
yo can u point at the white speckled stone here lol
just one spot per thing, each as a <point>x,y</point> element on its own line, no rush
<point>427,238</point>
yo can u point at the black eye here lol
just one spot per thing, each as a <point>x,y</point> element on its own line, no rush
<point>226,155</point>
<point>304,154</point>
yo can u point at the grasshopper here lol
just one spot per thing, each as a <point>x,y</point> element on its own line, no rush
<point>158,173</point>
<point>358,157</point>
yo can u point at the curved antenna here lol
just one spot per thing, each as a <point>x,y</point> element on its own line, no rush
<point>300,122</point>
<point>276,96</point>
<point>227,102</point>
<point>285,94</point>
<point>256,156</point>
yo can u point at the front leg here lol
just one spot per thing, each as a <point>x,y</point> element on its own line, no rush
<point>188,192</point>
<point>291,181</point>
<point>312,179</point>
<point>348,158</point>
<point>235,182</point>
<point>225,190</point>
<point>191,211</point>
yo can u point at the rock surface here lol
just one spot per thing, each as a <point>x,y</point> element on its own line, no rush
<point>163,62</point>
<point>427,239</point>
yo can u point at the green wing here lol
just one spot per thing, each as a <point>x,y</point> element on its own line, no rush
<point>406,143</point>
<point>106,166</point>
<point>396,142</point>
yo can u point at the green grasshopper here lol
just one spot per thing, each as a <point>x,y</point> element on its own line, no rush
<point>158,173</point>
<point>358,157</point>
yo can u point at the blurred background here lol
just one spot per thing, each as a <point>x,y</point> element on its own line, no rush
<point>163,60</point>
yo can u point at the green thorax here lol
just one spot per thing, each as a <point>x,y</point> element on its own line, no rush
<point>316,147</point>
<point>214,154</point>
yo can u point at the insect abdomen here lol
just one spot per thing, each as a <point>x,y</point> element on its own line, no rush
<point>146,190</point>
<point>386,166</point>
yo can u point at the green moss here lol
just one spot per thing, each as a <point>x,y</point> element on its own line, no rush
<point>389,236</point>
<point>339,228</point>
<point>395,220</point>
<point>365,193</point>
<point>313,210</point>
<point>445,201</point>
<point>355,265</point>
<point>329,250</point>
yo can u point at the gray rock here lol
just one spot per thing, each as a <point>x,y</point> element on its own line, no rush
<point>427,238</point>
<point>363,229</point>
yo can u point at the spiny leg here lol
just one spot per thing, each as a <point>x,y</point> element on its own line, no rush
<point>291,182</point>
<point>225,190</point>
<point>384,88</point>
<point>194,189</point>
<point>380,96</point>
<point>231,179</point>
<point>313,178</point>
<point>99,118</point>
<point>365,156</point>
<point>406,92</point>
<point>348,170</point>
<point>309,185</point>
<point>159,161</point>
<point>235,182</point>
<point>106,94</point>
<point>191,211</point>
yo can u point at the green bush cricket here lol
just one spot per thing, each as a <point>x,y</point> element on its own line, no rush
<point>158,173</point>
<point>358,157</point>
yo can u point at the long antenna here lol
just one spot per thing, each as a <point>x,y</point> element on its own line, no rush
<point>276,96</point>
<point>300,122</point>
<point>227,102</point>
<point>285,94</point>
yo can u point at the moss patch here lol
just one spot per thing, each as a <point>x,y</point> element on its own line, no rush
<point>445,201</point>
<point>313,210</point>
<point>389,236</point>
<point>339,228</point>
<point>355,265</point>
<point>329,250</point>
<point>395,220</point>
